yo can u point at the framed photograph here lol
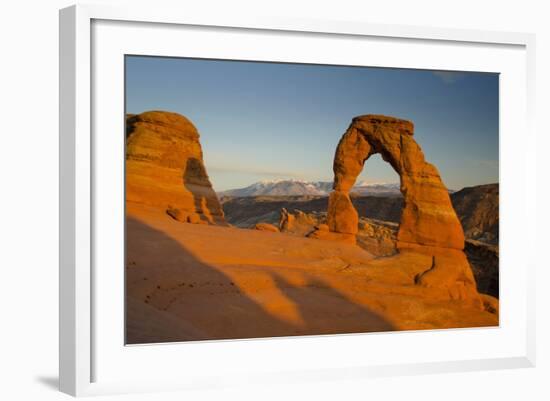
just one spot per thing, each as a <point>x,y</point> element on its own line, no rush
<point>272,200</point>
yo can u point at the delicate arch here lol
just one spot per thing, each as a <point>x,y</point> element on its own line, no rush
<point>428,217</point>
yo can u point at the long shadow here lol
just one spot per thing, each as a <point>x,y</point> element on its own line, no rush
<point>171,295</point>
<point>320,304</point>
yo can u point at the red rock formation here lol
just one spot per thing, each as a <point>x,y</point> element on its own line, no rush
<point>429,224</point>
<point>428,217</point>
<point>286,221</point>
<point>266,227</point>
<point>342,216</point>
<point>165,169</point>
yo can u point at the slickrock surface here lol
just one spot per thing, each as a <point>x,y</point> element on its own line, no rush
<point>165,168</point>
<point>266,227</point>
<point>198,282</point>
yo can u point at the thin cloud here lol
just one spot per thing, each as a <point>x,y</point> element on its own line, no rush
<point>493,164</point>
<point>246,170</point>
<point>449,77</point>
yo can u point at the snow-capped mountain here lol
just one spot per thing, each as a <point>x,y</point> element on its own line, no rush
<point>377,188</point>
<point>281,188</point>
<point>316,188</point>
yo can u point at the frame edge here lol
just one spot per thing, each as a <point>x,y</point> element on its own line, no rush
<point>67,113</point>
<point>75,346</point>
<point>74,201</point>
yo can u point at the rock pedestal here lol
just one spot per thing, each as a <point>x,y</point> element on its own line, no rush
<point>342,216</point>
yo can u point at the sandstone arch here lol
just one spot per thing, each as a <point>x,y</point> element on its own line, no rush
<point>428,218</point>
<point>429,224</point>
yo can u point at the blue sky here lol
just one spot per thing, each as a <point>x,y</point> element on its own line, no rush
<point>262,121</point>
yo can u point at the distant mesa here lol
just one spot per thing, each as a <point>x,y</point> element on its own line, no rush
<point>478,209</point>
<point>165,168</point>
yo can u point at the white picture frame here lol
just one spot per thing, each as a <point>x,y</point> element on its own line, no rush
<point>81,341</point>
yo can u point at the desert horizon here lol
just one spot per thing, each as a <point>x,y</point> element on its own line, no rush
<point>241,235</point>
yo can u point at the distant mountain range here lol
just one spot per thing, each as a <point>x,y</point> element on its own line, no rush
<point>314,188</point>
<point>477,207</point>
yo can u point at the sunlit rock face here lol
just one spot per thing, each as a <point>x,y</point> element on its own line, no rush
<point>428,216</point>
<point>429,224</point>
<point>165,168</point>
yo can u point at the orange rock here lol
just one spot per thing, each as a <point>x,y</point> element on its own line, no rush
<point>266,227</point>
<point>428,216</point>
<point>332,236</point>
<point>177,214</point>
<point>164,167</point>
<point>193,218</point>
<point>450,269</point>
<point>286,220</point>
<point>322,227</point>
<point>342,216</point>
<point>429,224</point>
